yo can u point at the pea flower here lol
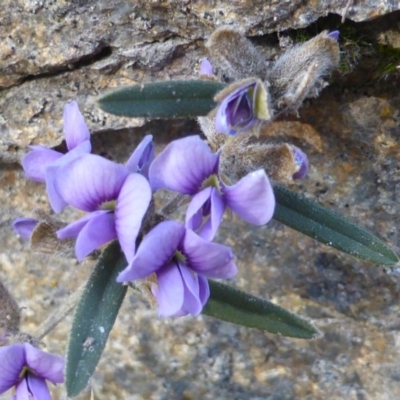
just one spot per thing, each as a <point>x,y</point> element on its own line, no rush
<point>187,166</point>
<point>24,226</point>
<point>301,160</point>
<point>42,163</point>
<point>181,261</point>
<point>241,106</point>
<point>334,35</point>
<point>115,196</point>
<point>206,67</point>
<point>27,368</point>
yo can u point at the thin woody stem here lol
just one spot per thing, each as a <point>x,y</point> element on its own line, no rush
<point>59,314</point>
<point>172,205</point>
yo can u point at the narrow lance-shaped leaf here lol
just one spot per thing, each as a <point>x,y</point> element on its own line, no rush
<point>328,227</point>
<point>169,99</point>
<point>94,317</point>
<point>241,308</point>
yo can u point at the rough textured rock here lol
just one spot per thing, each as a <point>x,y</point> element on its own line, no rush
<point>55,51</point>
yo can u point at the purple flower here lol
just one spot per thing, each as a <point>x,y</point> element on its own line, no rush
<point>115,198</point>
<point>42,163</point>
<point>181,261</point>
<point>142,157</point>
<point>206,67</point>
<point>242,105</point>
<point>24,226</point>
<point>187,166</point>
<point>301,161</point>
<point>27,368</point>
<point>334,35</point>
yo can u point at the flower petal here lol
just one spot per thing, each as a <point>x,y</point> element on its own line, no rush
<point>204,290</point>
<point>89,181</point>
<point>236,111</point>
<point>12,361</point>
<point>191,299</point>
<point>206,67</point>
<point>334,35</point>
<point>142,157</point>
<point>22,391</point>
<point>170,290</point>
<point>24,226</point>
<point>206,225</point>
<point>183,166</point>
<point>37,387</point>
<point>132,204</point>
<point>252,198</point>
<point>302,162</point>
<point>44,365</point>
<point>212,260</point>
<point>98,231</point>
<point>35,162</point>
<point>75,128</point>
<point>156,249</point>
<point>56,201</point>
<point>73,229</point>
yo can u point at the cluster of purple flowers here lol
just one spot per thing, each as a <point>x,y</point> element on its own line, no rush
<point>27,368</point>
<point>116,199</point>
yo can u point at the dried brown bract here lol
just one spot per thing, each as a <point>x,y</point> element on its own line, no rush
<point>241,155</point>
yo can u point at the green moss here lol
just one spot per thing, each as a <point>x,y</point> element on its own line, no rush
<point>389,61</point>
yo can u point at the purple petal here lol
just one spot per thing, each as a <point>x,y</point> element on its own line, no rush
<point>89,181</point>
<point>97,232</point>
<point>37,387</point>
<point>209,259</point>
<point>142,157</point>
<point>183,166</point>
<point>236,111</point>
<point>206,67</point>
<point>191,299</point>
<point>208,199</point>
<point>156,249</point>
<point>12,361</point>
<point>170,290</point>
<point>56,201</point>
<point>35,162</point>
<point>22,391</point>
<point>132,204</point>
<point>73,229</point>
<point>334,35</point>
<point>204,290</point>
<point>75,128</point>
<point>24,226</point>
<point>221,119</point>
<point>252,198</point>
<point>302,161</point>
<point>44,365</point>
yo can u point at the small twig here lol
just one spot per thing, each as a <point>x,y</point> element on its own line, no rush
<point>172,205</point>
<point>59,314</point>
<point>346,9</point>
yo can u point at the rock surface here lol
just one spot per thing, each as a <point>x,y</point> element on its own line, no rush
<point>58,50</point>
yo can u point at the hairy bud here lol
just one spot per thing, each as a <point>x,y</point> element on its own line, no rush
<point>299,72</point>
<point>234,56</point>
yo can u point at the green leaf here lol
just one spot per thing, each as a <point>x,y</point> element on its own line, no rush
<point>240,308</point>
<point>94,317</point>
<point>169,99</point>
<point>330,228</point>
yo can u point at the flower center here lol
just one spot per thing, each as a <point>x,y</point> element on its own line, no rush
<point>108,205</point>
<point>211,181</point>
<point>179,257</point>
